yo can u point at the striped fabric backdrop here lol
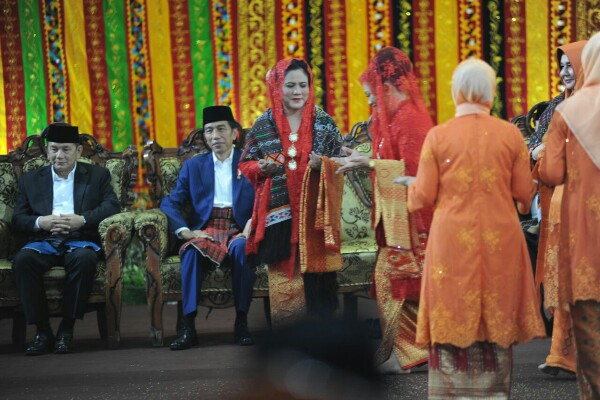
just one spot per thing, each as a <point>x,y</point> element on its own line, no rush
<point>130,71</point>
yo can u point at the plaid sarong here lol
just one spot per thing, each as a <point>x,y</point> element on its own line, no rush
<point>223,228</point>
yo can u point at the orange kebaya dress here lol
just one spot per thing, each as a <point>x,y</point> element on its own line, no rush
<point>572,157</point>
<point>565,160</point>
<point>477,284</point>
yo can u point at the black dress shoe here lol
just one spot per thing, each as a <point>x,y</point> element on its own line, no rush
<point>64,343</point>
<point>42,342</point>
<point>185,339</point>
<point>242,335</point>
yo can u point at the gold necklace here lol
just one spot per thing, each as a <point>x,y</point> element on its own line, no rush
<point>292,151</point>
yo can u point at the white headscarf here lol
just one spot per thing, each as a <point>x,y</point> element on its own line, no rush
<point>473,87</point>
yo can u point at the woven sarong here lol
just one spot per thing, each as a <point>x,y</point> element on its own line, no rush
<point>482,370</point>
<point>398,317</point>
<point>223,229</point>
<point>586,326</point>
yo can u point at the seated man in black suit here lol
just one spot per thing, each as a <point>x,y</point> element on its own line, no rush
<point>59,207</point>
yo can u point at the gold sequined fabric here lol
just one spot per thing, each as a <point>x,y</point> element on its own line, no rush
<point>286,296</point>
<point>390,203</point>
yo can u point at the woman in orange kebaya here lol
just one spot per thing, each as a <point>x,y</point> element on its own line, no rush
<point>572,158</point>
<point>562,350</point>
<point>478,297</point>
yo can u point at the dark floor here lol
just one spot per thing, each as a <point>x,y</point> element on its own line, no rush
<point>218,369</point>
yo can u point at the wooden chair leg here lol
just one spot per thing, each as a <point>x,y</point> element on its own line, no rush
<point>101,318</point>
<point>350,307</point>
<point>155,306</point>
<point>267,308</point>
<point>19,330</point>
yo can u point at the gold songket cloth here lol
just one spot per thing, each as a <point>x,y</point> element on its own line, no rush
<point>320,219</point>
<point>390,205</point>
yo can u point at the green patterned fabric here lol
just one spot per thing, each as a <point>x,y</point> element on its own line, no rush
<point>169,167</point>
<point>357,235</point>
<point>35,163</point>
<point>8,191</point>
<point>117,171</point>
<point>6,239</point>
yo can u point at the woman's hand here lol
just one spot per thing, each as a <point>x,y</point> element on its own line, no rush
<point>246,232</point>
<point>536,152</point>
<point>405,180</point>
<point>314,161</point>
<point>267,167</point>
<point>354,160</point>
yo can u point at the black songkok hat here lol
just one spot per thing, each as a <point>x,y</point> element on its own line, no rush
<point>216,113</point>
<point>62,133</point>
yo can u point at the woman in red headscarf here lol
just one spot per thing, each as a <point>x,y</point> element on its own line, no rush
<point>399,124</point>
<point>293,134</point>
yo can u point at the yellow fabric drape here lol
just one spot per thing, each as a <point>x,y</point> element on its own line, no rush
<point>446,55</point>
<point>80,110</point>
<point>357,46</point>
<point>161,64</point>
<point>538,57</point>
<point>3,138</point>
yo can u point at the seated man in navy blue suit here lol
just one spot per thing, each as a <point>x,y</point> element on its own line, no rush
<point>216,229</point>
<point>59,207</point>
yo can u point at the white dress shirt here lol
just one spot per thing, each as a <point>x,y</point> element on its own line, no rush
<point>62,195</point>
<point>223,188</point>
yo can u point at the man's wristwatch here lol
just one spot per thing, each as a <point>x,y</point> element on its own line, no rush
<point>84,222</point>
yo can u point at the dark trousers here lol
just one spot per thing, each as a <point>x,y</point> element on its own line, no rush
<point>193,265</point>
<point>29,268</point>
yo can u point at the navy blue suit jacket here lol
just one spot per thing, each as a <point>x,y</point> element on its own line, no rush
<point>196,186</point>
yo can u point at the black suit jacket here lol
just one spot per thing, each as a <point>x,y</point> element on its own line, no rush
<point>93,197</point>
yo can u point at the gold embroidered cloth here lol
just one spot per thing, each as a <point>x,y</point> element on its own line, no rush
<point>390,203</point>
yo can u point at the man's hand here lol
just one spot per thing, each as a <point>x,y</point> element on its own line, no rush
<point>267,167</point>
<point>354,160</point>
<point>61,224</point>
<point>47,222</point>
<point>246,232</point>
<point>189,234</point>
<point>66,223</point>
